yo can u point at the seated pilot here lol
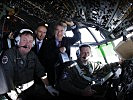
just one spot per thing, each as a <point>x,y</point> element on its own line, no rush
<point>77,77</point>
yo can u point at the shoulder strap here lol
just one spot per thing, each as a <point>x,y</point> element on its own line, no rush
<point>82,74</point>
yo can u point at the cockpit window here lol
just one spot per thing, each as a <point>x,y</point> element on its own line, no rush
<point>86,36</point>
<point>97,34</point>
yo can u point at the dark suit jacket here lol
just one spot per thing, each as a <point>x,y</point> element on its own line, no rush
<point>41,49</point>
<point>34,49</point>
<point>50,55</point>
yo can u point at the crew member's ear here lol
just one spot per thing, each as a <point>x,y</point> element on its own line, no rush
<point>35,31</point>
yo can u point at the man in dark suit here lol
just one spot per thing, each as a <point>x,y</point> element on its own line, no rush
<point>40,41</point>
<point>40,33</point>
<point>57,44</point>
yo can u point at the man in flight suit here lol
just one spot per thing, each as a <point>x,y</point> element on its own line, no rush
<point>20,65</point>
<point>77,76</point>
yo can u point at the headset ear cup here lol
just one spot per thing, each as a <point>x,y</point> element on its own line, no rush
<point>33,43</point>
<point>17,40</point>
<point>78,53</point>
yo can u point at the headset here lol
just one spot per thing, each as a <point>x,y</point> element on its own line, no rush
<point>17,39</point>
<point>84,45</point>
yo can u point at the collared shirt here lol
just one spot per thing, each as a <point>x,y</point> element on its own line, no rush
<point>40,44</point>
<point>57,42</point>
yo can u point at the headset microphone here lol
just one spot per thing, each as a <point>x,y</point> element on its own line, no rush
<point>24,46</point>
<point>86,58</point>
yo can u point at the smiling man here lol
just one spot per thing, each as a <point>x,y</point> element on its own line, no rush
<point>20,65</point>
<point>57,44</point>
<point>40,40</point>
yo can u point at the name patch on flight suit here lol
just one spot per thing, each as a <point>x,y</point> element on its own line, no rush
<point>4,60</point>
<point>19,60</point>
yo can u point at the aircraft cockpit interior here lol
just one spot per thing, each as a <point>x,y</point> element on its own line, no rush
<point>104,25</point>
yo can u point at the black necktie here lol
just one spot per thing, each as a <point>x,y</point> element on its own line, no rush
<point>38,46</point>
<point>59,45</point>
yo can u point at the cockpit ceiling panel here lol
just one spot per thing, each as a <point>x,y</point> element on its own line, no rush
<point>112,15</point>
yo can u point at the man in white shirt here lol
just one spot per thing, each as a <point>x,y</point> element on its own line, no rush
<point>40,33</point>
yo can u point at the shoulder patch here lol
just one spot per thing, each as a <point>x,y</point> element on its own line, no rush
<point>65,75</point>
<point>4,60</point>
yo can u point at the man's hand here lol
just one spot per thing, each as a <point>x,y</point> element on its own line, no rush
<point>88,91</point>
<point>13,95</point>
<point>130,86</point>
<point>11,35</point>
<point>69,23</point>
<point>52,91</point>
<point>62,49</point>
